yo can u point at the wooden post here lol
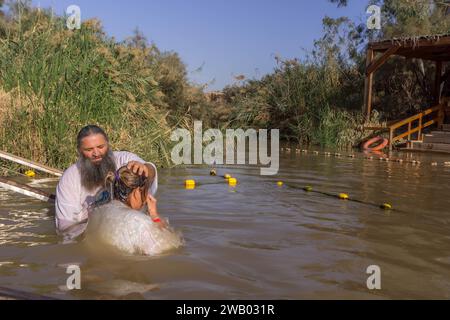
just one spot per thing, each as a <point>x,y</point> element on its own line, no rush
<point>391,137</point>
<point>419,135</point>
<point>409,130</point>
<point>368,86</point>
<point>437,82</point>
<point>382,59</point>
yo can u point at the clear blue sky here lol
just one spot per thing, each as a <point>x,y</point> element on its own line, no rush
<point>226,37</point>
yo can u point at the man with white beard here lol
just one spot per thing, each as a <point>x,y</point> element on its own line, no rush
<point>81,182</point>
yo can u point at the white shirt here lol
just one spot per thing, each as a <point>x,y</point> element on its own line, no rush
<point>73,200</point>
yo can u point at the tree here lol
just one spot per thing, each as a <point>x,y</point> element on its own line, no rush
<point>340,3</point>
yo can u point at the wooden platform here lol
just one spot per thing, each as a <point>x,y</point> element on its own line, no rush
<point>31,164</point>
<point>427,147</point>
<point>435,141</point>
<point>25,189</point>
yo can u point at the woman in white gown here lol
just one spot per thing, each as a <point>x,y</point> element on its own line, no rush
<point>130,221</point>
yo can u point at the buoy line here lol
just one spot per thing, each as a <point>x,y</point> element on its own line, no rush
<point>190,184</point>
<point>367,157</point>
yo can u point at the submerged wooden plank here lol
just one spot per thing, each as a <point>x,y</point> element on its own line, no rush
<point>428,147</point>
<point>436,138</point>
<point>31,164</point>
<point>26,190</point>
<point>14,294</point>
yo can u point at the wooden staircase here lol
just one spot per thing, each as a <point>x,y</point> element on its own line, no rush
<point>437,141</point>
<point>410,130</point>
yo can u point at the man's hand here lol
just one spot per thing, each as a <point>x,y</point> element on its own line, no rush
<point>139,168</point>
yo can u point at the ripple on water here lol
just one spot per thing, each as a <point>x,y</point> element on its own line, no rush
<point>258,240</point>
<point>23,227</point>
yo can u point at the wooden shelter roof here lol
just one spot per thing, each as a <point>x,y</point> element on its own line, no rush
<point>431,47</point>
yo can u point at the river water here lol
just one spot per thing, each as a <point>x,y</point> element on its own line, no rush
<point>258,240</point>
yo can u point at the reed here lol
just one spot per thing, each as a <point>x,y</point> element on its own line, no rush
<point>54,81</point>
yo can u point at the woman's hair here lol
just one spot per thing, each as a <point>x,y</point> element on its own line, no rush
<point>124,181</point>
<point>89,130</point>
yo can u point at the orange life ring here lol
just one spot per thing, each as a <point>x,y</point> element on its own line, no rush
<point>380,146</point>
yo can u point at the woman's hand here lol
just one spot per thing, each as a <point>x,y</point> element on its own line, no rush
<point>151,204</point>
<point>153,211</point>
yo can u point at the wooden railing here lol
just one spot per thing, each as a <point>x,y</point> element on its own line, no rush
<point>438,118</point>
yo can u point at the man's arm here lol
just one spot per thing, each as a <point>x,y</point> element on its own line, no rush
<point>138,165</point>
<point>70,216</point>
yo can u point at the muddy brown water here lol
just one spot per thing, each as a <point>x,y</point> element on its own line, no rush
<point>257,240</point>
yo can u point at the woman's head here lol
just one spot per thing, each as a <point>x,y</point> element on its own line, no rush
<point>128,187</point>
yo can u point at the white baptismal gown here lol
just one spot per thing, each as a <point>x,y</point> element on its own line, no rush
<point>130,231</point>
